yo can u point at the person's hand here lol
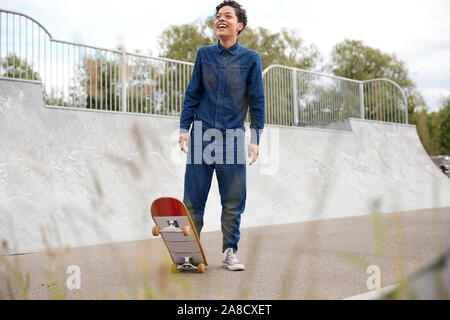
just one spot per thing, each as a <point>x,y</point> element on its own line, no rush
<point>183,140</point>
<point>253,152</point>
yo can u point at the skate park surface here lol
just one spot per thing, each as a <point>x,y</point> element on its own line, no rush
<point>322,204</point>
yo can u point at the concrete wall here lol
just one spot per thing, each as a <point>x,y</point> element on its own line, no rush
<point>73,177</point>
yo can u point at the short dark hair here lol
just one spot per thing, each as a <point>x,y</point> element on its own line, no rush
<point>240,12</point>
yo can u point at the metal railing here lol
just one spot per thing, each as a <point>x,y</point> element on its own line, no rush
<point>295,97</point>
<point>82,76</point>
<point>383,100</point>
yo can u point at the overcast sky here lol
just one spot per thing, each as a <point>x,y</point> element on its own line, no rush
<point>417,31</point>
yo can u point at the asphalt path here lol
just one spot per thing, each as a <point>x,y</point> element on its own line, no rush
<point>323,259</point>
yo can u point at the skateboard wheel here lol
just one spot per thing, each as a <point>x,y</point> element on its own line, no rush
<point>201,268</point>
<point>187,231</point>
<point>155,231</point>
<point>173,268</point>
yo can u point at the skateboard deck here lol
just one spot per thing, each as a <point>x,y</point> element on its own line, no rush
<point>177,230</point>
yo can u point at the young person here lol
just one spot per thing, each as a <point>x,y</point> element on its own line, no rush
<point>226,81</point>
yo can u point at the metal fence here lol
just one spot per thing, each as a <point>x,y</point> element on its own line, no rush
<point>383,100</point>
<point>296,97</point>
<point>81,76</point>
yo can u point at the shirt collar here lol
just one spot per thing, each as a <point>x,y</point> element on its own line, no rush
<point>233,49</point>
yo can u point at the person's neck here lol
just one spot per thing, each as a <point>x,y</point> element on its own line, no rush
<point>228,42</point>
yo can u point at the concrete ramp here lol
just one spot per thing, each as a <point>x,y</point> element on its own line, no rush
<point>73,177</point>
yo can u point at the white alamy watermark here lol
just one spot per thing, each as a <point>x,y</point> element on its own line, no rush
<point>228,147</point>
<point>374,280</point>
<point>269,152</point>
<point>73,281</point>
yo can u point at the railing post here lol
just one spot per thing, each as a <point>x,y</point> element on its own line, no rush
<point>294,96</point>
<point>406,120</point>
<point>361,100</point>
<point>123,76</point>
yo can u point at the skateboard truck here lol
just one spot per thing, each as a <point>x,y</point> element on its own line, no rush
<point>187,265</point>
<point>172,227</point>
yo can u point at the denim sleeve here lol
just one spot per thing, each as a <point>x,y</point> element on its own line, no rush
<point>255,91</point>
<point>192,96</point>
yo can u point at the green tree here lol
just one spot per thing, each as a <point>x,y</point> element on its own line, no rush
<point>444,127</point>
<point>355,60</point>
<point>181,42</point>
<point>434,129</point>
<point>14,67</point>
<point>103,81</point>
<point>427,125</point>
<point>285,47</point>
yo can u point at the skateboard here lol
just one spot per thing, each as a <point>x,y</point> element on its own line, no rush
<point>177,230</point>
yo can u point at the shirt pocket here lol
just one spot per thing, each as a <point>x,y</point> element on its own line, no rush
<point>236,77</point>
<point>210,74</point>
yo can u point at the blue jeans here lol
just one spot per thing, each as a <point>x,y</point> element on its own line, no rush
<point>231,178</point>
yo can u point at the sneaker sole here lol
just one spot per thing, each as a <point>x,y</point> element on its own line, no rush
<point>234,268</point>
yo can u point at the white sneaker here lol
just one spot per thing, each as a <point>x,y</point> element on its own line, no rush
<point>231,262</point>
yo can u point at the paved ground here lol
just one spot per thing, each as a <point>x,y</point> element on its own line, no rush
<point>325,259</point>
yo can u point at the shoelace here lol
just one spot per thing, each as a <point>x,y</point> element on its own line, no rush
<point>232,257</point>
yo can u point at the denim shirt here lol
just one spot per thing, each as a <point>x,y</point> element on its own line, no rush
<point>224,83</point>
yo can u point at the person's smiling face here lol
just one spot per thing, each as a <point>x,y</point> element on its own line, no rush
<point>226,23</point>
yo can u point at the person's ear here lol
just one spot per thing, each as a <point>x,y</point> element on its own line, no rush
<point>240,26</point>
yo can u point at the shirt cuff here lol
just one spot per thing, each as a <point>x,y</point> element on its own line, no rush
<point>183,130</point>
<point>255,136</point>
